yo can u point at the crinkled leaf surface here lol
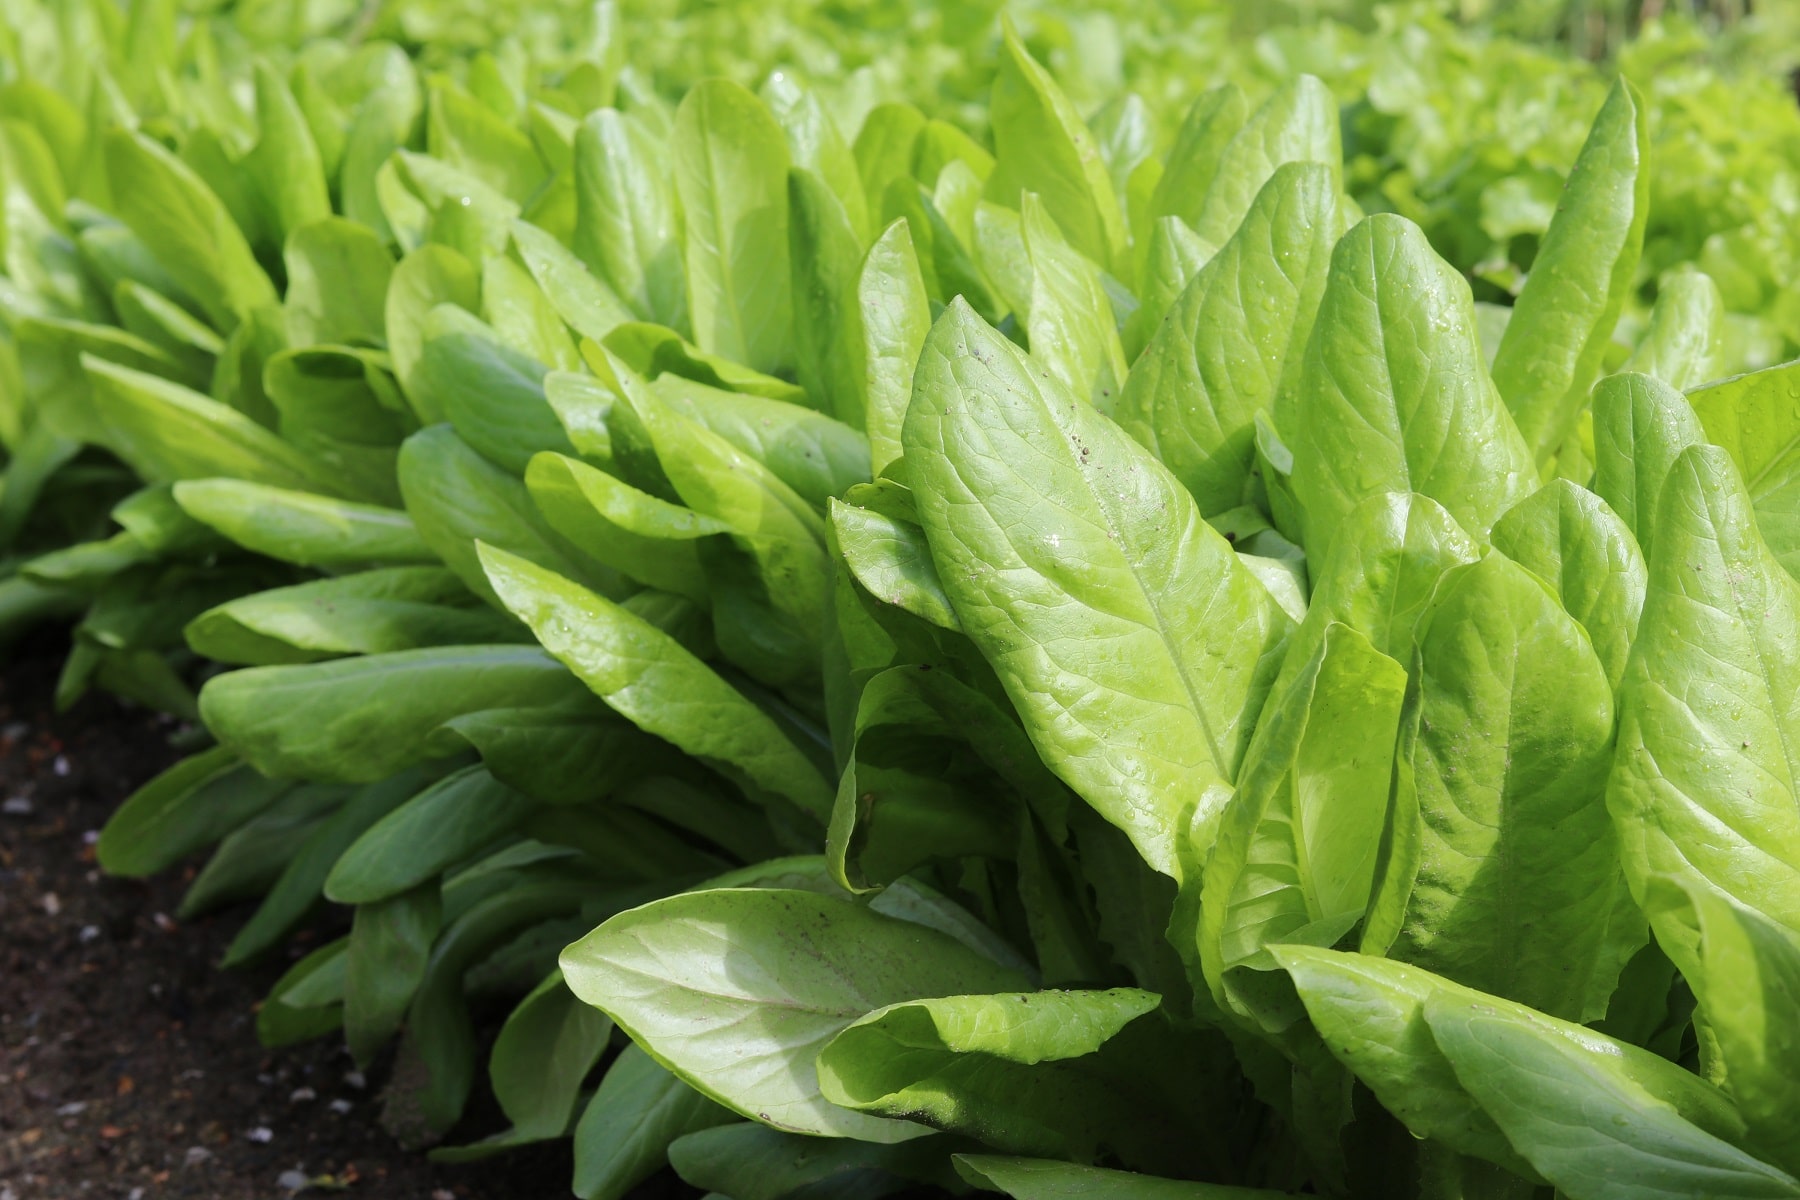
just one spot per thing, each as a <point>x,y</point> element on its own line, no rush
<point>1757,418</point>
<point>1135,645</point>
<point>1393,395</point>
<point>1704,787</point>
<point>1502,845</point>
<point>1217,360</point>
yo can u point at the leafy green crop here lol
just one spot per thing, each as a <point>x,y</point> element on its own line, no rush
<point>1085,646</point>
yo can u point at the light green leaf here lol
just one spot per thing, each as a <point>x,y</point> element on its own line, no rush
<point>896,316</point>
<point>338,274</point>
<point>1501,848</point>
<point>1551,352</point>
<point>491,393</point>
<point>982,1065</point>
<point>429,276</point>
<point>1114,609</point>
<point>898,808</point>
<point>383,122</point>
<point>1641,425</point>
<point>191,232</point>
<point>341,408</point>
<point>1174,253</point>
<point>50,354</point>
<point>1299,123</point>
<point>302,527</point>
<point>816,145</point>
<point>1069,321</point>
<point>1393,396</point>
<point>360,719</point>
<point>285,165</point>
<point>647,539</point>
<point>825,256</point>
<point>1684,344</point>
<point>1298,845</point>
<point>648,678</point>
<point>456,497</point>
<point>582,404</point>
<point>520,314</point>
<point>1372,1013</point>
<point>1749,991</point>
<point>770,583</point>
<point>1755,418</point>
<point>371,612</point>
<point>941,145</point>
<point>1041,145</point>
<point>471,137</point>
<point>167,433</point>
<point>1704,787</point>
<point>886,146</point>
<point>626,222</point>
<point>1567,537</point>
<point>583,301</point>
<point>818,457</point>
<point>890,557</point>
<point>736,989</point>
<point>1583,1123</point>
<point>1217,361</point>
<point>1199,149</point>
<point>165,324</point>
<point>654,350</point>
<point>428,199</point>
<point>731,163</point>
<point>1000,250</point>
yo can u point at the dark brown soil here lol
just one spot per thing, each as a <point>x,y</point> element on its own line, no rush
<point>129,1067</point>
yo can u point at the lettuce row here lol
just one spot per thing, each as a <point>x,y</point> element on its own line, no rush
<point>609,506</point>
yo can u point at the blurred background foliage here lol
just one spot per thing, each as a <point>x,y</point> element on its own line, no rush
<point>1463,115</point>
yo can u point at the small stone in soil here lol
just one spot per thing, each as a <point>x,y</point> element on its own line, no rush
<point>73,1108</point>
<point>341,1107</point>
<point>16,806</point>
<point>52,905</point>
<point>262,1135</point>
<point>89,933</point>
<point>61,766</point>
<point>197,1155</point>
<point>356,1079</point>
<point>293,1181</point>
<point>300,1095</point>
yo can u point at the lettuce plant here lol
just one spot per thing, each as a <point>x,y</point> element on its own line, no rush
<point>1384,788</point>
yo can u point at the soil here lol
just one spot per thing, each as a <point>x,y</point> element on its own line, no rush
<point>129,1066</point>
